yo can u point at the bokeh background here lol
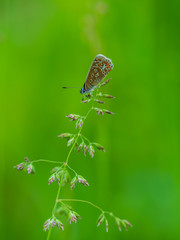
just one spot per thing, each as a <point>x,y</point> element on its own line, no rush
<point>47,44</point>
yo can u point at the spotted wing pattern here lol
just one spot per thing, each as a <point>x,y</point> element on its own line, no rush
<point>100,67</point>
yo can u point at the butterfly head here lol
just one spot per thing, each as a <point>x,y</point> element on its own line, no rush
<point>83,90</point>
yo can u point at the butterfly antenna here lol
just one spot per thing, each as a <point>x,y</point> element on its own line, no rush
<point>71,87</point>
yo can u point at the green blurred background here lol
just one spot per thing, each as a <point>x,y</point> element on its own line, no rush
<point>47,44</point>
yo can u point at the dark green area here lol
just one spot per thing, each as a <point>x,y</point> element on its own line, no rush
<point>47,44</point>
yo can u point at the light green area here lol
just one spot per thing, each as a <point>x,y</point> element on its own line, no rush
<point>47,44</point>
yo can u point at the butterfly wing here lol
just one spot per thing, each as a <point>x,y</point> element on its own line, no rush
<point>100,67</point>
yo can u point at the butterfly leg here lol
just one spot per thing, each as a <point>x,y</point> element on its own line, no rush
<point>90,94</point>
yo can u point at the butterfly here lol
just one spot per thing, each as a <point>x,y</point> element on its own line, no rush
<point>100,67</point>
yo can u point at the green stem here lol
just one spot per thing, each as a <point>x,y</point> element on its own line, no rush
<point>49,161</point>
<point>84,201</point>
<point>85,138</point>
<point>49,233</point>
<point>65,164</point>
<point>72,169</point>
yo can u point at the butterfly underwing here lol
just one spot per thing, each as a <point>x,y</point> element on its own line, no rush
<point>100,67</point>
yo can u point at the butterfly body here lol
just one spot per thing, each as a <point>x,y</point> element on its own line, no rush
<point>100,67</point>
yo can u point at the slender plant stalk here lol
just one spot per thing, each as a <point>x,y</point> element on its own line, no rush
<point>65,164</point>
<point>79,200</point>
<point>48,161</point>
<point>49,233</point>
